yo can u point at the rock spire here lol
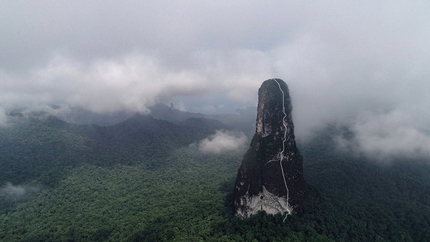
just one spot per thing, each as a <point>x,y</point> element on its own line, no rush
<point>270,178</point>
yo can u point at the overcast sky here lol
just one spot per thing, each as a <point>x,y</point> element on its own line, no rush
<point>364,63</point>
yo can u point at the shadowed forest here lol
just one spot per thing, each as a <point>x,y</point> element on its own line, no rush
<point>141,180</point>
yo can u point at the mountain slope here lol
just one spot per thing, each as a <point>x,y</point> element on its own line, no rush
<point>41,148</point>
<point>102,192</point>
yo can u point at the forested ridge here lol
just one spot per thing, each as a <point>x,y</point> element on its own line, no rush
<point>140,180</point>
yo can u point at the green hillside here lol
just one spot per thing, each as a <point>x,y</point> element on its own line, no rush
<point>140,180</point>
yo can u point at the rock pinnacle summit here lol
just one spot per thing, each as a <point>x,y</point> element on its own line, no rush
<point>270,177</point>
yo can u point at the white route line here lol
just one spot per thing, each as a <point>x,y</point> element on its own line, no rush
<point>281,154</point>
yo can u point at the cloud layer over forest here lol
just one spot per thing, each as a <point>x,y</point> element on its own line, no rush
<point>16,192</point>
<point>222,141</point>
<point>363,64</point>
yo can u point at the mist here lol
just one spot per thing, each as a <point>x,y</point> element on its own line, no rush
<point>16,192</point>
<point>222,141</point>
<point>361,64</point>
<point>386,137</point>
<point>3,117</point>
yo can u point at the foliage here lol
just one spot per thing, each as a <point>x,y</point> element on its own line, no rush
<point>96,191</point>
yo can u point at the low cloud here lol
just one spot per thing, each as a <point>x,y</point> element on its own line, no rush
<point>181,106</point>
<point>16,192</point>
<point>339,60</point>
<point>131,83</point>
<point>44,111</point>
<point>3,117</point>
<point>222,141</point>
<point>386,137</point>
<point>136,81</point>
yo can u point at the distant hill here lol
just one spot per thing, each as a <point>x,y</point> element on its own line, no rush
<point>84,116</point>
<point>34,147</point>
<point>74,115</point>
<point>140,180</point>
<point>161,111</point>
<point>243,120</point>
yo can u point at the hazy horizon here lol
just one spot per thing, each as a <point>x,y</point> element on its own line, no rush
<point>361,64</point>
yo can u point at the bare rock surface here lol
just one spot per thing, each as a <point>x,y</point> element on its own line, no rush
<point>270,178</point>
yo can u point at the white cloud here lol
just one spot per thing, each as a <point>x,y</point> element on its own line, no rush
<point>222,141</point>
<point>387,136</point>
<point>16,192</point>
<point>181,106</point>
<point>339,59</point>
<point>132,83</point>
<point>47,110</point>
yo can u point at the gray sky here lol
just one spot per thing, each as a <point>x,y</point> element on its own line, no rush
<point>363,63</point>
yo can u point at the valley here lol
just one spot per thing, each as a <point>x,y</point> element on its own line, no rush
<point>89,187</point>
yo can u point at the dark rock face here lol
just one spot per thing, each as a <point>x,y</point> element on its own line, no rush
<point>271,175</point>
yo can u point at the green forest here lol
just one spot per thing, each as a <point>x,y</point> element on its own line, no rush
<point>90,183</point>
